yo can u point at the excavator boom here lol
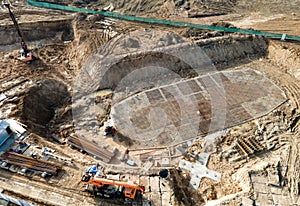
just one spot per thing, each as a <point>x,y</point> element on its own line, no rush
<point>98,181</point>
<point>130,188</point>
<point>27,53</point>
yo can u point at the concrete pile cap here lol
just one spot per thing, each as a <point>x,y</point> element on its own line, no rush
<point>198,172</point>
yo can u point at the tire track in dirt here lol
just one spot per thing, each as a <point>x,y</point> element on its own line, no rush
<point>284,80</point>
<point>64,191</point>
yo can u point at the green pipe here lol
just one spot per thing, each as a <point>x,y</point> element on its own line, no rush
<point>164,22</point>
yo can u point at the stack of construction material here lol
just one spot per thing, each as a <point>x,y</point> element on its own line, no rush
<point>31,163</point>
<point>91,148</point>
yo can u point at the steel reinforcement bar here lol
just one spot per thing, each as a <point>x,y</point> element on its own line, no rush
<point>30,163</point>
<point>164,22</point>
<point>91,148</point>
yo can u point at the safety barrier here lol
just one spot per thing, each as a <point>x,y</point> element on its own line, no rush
<point>164,22</point>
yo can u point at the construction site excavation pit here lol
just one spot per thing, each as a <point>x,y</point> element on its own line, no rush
<point>161,92</point>
<point>207,106</point>
<point>42,103</point>
<point>193,107</point>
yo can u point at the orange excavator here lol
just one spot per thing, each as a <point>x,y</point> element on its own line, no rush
<point>111,188</point>
<point>26,55</point>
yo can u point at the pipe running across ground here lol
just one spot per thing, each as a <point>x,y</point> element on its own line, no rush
<point>164,22</point>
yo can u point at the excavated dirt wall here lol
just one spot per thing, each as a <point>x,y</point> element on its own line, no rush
<point>59,30</point>
<point>234,48</point>
<point>221,50</point>
<point>286,56</point>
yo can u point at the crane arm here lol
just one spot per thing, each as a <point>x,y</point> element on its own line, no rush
<point>12,16</point>
<point>100,182</point>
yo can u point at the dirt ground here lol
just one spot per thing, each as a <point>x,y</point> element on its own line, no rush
<point>40,95</point>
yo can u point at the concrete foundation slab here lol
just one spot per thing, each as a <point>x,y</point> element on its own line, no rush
<point>195,107</point>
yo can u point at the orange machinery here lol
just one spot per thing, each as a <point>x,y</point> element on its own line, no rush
<point>126,189</point>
